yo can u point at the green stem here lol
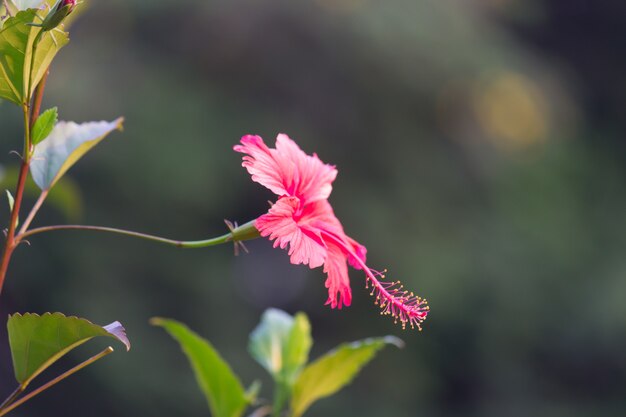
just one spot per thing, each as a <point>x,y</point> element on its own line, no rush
<point>243,232</point>
<point>56,380</point>
<point>281,394</point>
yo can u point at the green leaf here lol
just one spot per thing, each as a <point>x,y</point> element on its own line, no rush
<point>65,145</point>
<point>44,124</point>
<point>17,37</point>
<point>281,344</point>
<point>39,341</point>
<point>298,347</point>
<point>333,371</point>
<point>7,9</point>
<point>221,387</point>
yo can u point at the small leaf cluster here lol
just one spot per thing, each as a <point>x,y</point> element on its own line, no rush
<point>27,50</point>
<point>281,344</point>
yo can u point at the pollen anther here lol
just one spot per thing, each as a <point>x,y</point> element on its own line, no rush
<point>404,306</point>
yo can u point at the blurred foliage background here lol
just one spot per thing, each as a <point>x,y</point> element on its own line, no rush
<point>480,149</point>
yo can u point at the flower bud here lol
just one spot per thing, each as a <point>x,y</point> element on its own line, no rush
<point>58,14</point>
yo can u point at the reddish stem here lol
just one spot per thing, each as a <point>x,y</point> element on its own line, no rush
<point>10,244</point>
<point>36,107</point>
<point>31,113</point>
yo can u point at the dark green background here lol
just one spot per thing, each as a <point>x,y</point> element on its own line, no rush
<point>480,153</point>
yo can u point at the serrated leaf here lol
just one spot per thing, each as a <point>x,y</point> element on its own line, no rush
<point>220,385</point>
<point>44,125</point>
<point>39,341</point>
<point>334,370</point>
<point>17,78</point>
<point>65,145</point>
<point>281,344</point>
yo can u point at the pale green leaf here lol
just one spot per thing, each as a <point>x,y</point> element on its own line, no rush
<point>39,341</point>
<point>281,344</point>
<point>18,77</point>
<point>44,8</point>
<point>11,200</point>
<point>221,387</point>
<point>11,204</point>
<point>65,145</point>
<point>333,371</point>
<point>43,126</point>
<point>26,4</point>
<point>268,339</point>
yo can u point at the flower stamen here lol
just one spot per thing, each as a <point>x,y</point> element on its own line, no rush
<point>403,305</point>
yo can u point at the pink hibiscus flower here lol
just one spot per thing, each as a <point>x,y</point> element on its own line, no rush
<point>303,218</point>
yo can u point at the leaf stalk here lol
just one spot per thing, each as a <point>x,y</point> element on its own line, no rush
<point>55,381</point>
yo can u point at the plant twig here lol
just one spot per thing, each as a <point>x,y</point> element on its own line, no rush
<point>12,397</point>
<point>228,237</point>
<point>56,380</point>
<point>10,243</point>
<point>33,212</point>
<point>31,113</point>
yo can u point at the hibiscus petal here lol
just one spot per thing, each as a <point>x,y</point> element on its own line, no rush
<point>359,252</point>
<point>287,170</point>
<point>305,244</point>
<point>320,215</point>
<point>263,166</point>
<point>312,179</point>
<point>338,281</point>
